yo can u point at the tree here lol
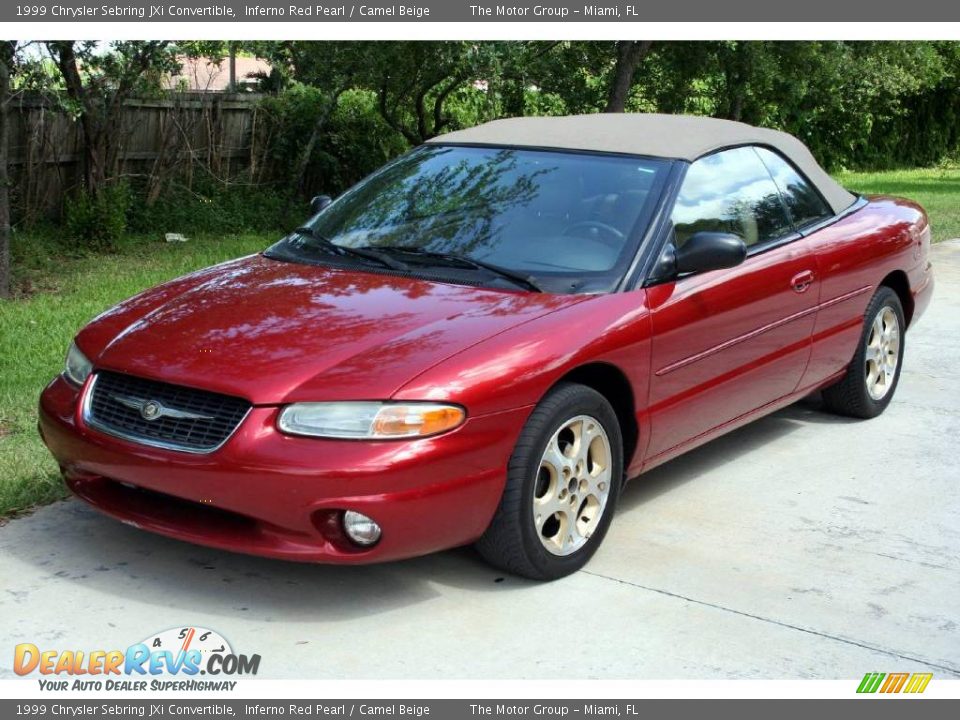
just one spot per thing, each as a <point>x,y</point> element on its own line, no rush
<point>575,73</point>
<point>414,80</point>
<point>589,76</point>
<point>96,85</point>
<point>629,55</point>
<point>8,51</point>
<point>512,70</point>
<point>331,68</point>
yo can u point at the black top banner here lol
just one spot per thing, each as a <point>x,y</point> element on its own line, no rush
<point>474,11</point>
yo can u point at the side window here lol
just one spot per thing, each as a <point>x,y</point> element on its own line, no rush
<point>804,203</point>
<point>730,191</point>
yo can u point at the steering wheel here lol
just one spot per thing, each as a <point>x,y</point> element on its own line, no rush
<point>611,234</point>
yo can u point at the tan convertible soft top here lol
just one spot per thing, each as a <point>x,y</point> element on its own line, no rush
<point>681,137</point>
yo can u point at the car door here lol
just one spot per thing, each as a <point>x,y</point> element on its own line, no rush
<point>843,295</point>
<point>728,342</point>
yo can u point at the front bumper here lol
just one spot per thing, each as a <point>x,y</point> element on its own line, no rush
<point>270,494</point>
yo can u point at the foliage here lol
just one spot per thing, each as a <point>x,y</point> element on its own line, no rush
<point>206,206</point>
<point>95,85</point>
<point>210,206</point>
<point>356,140</point>
<point>289,116</point>
<point>849,101</point>
<point>8,52</point>
<point>856,104</point>
<point>97,222</point>
<point>414,81</point>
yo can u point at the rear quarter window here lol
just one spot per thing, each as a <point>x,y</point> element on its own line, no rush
<point>804,203</point>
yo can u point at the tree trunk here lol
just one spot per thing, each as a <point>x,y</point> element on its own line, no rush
<point>629,55</point>
<point>7,48</point>
<point>736,109</point>
<point>91,124</point>
<point>233,68</point>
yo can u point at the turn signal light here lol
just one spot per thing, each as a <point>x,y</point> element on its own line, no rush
<point>416,420</point>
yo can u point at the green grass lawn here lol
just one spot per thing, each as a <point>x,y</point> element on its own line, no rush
<point>36,329</point>
<point>938,191</point>
<point>62,293</point>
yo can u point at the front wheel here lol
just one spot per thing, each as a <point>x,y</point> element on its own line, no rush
<point>872,377</point>
<point>563,480</point>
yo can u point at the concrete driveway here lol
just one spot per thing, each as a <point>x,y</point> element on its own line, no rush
<point>804,545</point>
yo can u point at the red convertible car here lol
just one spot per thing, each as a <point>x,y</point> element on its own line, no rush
<point>480,343</point>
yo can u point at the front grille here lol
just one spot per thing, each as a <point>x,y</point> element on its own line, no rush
<point>116,400</point>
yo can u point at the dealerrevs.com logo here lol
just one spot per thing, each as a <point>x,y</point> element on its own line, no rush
<point>168,660</point>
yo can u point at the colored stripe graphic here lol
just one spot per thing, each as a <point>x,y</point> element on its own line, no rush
<point>894,683</point>
<point>918,683</point>
<point>870,682</point>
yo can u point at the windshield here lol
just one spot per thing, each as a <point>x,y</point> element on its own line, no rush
<point>570,222</point>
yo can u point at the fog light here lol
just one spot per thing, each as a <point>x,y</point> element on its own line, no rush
<point>361,529</point>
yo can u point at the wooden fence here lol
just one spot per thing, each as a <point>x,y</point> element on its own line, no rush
<point>161,140</point>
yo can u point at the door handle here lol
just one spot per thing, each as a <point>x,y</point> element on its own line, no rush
<point>802,281</point>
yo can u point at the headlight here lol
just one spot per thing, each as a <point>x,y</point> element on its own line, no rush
<point>370,420</point>
<point>77,368</point>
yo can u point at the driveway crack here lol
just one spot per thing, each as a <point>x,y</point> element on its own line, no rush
<point>810,631</point>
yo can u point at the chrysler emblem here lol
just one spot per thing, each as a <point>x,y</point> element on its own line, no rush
<point>154,410</point>
<point>151,410</point>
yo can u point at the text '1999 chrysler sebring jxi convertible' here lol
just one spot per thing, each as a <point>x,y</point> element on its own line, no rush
<point>480,343</point>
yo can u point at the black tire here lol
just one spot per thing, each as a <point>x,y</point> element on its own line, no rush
<point>512,541</point>
<point>849,396</point>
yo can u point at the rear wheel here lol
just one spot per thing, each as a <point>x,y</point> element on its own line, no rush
<point>563,480</point>
<point>872,377</point>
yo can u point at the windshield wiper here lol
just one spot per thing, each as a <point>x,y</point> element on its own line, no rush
<point>321,240</point>
<point>376,255</point>
<point>366,253</point>
<point>454,259</point>
<point>379,254</point>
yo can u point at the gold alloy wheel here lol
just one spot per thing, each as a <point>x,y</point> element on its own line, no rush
<point>882,353</point>
<point>572,485</point>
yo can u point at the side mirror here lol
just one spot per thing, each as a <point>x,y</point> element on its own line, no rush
<point>705,251</point>
<point>319,204</point>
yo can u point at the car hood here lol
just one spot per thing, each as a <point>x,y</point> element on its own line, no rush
<point>276,332</point>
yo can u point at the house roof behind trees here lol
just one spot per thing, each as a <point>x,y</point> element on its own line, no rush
<point>202,74</point>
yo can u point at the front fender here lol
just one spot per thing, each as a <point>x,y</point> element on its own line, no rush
<point>516,368</point>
